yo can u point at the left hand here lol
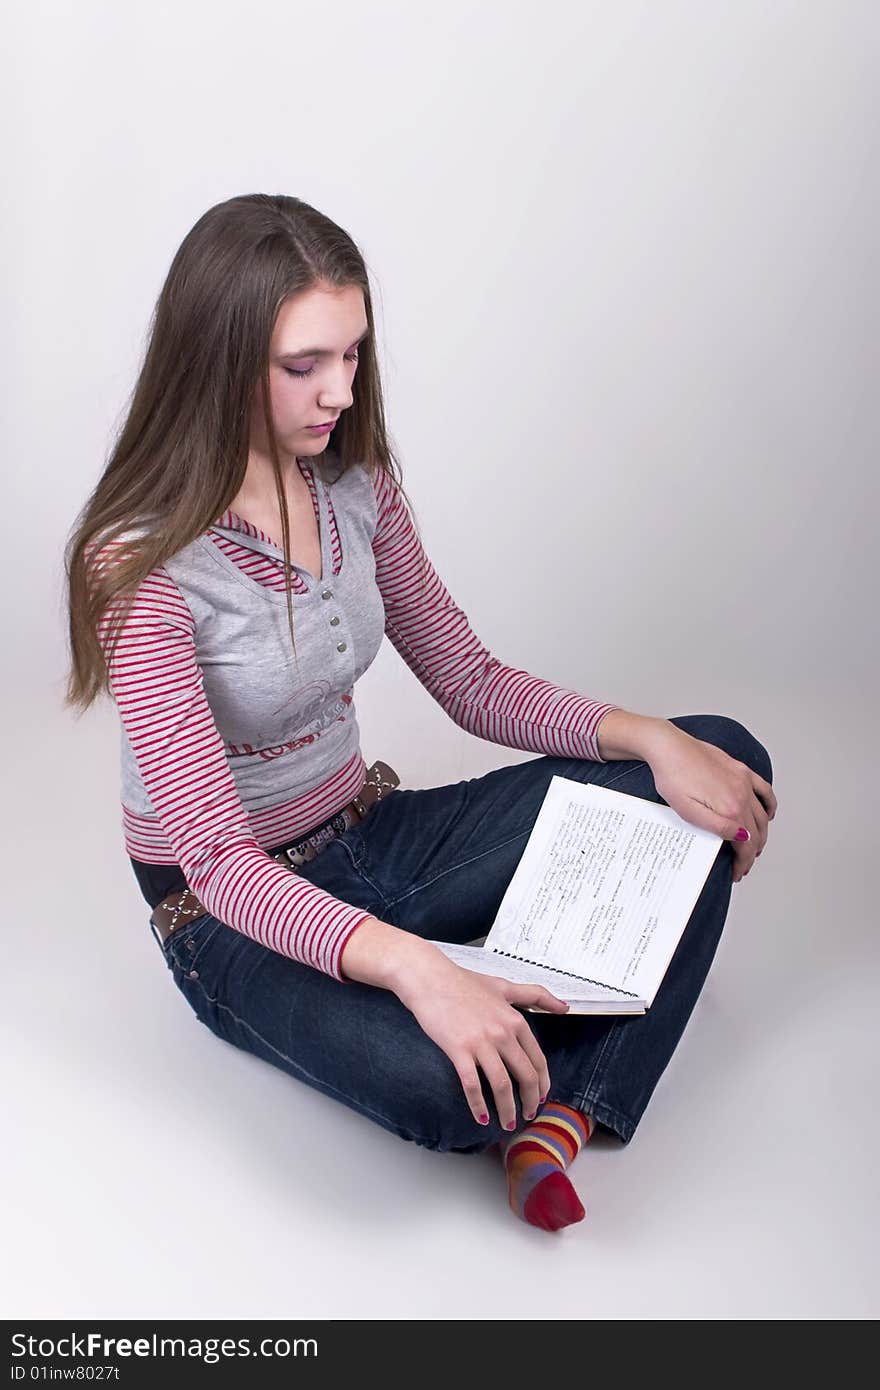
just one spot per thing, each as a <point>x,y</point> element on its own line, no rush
<point>709,788</point>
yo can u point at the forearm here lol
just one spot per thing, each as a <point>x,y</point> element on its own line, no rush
<point>623,734</point>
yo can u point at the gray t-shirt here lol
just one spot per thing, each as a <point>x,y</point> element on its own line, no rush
<point>270,704</point>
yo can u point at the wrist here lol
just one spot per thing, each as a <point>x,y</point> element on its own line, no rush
<point>414,967</point>
<point>623,734</point>
<point>379,954</point>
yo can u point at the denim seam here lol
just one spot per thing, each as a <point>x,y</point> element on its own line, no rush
<point>185,934</point>
<point>452,868</point>
<point>375,1114</point>
<point>611,1034</point>
<point>357,865</point>
<point>621,775</point>
<point>605,1115</point>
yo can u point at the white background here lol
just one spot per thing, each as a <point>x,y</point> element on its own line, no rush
<point>623,259</point>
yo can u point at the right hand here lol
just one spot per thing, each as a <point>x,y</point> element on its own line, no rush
<point>472,1017</point>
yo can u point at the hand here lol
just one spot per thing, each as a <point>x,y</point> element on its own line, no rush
<point>472,1018</point>
<point>709,788</point>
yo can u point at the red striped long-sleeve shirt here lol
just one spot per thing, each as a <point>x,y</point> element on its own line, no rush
<point>204,827</point>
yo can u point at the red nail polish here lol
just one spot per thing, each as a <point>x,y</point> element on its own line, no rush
<point>484,1119</point>
<point>743,834</point>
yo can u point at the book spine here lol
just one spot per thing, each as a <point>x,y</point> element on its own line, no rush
<point>585,978</point>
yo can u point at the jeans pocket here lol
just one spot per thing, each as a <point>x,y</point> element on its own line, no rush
<point>187,946</point>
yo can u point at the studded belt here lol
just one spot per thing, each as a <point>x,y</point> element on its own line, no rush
<point>179,909</point>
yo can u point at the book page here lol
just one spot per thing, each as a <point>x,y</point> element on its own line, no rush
<point>576,992</point>
<point>605,887</point>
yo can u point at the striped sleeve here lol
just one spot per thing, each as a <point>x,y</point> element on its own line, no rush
<point>157,685</point>
<point>435,639</point>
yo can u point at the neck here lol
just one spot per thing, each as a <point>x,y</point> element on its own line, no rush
<point>258,487</point>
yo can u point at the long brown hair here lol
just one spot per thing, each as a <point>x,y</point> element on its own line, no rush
<point>181,454</point>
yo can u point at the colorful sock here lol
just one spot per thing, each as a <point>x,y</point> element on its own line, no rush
<point>535,1160</point>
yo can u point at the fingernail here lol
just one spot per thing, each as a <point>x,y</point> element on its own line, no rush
<point>484,1119</point>
<point>532,1116</point>
<point>543,1098</point>
<point>743,834</point>
<point>512,1125</point>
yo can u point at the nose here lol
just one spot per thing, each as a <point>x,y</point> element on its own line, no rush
<point>336,394</point>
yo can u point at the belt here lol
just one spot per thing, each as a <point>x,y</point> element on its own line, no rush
<point>180,908</point>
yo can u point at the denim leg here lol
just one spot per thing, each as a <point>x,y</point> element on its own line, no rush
<point>441,861</point>
<point>437,862</point>
<point>356,1043</point>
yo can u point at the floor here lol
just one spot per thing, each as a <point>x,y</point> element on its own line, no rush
<point>150,1164</point>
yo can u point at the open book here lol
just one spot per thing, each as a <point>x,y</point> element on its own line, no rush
<point>599,900</point>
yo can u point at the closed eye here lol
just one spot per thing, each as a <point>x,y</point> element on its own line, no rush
<point>291,371</point>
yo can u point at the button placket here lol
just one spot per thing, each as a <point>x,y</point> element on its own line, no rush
<point>334,621</point>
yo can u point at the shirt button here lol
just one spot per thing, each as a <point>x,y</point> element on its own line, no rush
<point>192,974</point>
<point>327,593</point>
<point>333,622</point>
<point>341,646</point>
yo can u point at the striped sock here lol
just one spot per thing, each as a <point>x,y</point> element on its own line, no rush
<point>535,1160</point>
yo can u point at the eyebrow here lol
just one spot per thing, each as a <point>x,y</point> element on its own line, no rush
<point>322,352</point>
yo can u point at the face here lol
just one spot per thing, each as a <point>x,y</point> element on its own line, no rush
<point>312,363</point>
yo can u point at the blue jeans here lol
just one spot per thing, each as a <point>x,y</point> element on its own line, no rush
<point>437,862</point>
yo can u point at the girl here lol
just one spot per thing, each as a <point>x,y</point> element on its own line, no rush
<point>229,580</point>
